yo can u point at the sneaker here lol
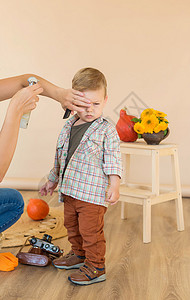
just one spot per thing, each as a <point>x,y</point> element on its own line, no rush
<point>69,261</point>
<point>88,274</point>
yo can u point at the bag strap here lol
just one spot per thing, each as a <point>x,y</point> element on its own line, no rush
<point>25,243</point>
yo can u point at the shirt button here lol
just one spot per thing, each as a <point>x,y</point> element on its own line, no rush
<point>61,171</point>
<point>64,154</point>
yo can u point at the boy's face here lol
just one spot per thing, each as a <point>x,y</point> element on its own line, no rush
<point>98,101</point>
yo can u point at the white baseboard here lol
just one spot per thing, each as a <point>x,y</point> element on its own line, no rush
<point>21,183</point>
<point>35,184</point>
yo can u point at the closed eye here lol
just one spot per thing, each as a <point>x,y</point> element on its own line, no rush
<point>97,103</point>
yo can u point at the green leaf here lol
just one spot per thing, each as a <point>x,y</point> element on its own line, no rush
<point>136,120</point>
<point>139,136</point>
<point>165,132</point>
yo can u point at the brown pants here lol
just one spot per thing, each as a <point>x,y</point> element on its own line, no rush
<point>84,222</point>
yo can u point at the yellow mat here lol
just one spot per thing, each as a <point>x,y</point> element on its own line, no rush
<point>53,225</point>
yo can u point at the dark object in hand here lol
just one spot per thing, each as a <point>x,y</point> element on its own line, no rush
<point>67,113</point>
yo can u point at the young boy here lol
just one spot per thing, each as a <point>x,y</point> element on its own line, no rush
<point>87,156</point>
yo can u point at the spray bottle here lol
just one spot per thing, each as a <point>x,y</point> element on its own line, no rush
<point>25,118</point>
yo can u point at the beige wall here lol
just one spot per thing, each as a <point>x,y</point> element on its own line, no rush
<point>141,46</point>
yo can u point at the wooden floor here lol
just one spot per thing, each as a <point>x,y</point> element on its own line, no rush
<point>135,271</point>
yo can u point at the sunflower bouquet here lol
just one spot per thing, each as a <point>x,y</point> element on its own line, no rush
<point>150,121</point>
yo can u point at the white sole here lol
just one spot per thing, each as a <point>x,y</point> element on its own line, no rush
<point>95,280</point>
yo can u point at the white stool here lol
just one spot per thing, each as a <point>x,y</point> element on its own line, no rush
<point>145,197</point>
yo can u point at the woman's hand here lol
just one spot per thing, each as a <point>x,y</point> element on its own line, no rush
<point>25,100</point>
<point>72,99</point>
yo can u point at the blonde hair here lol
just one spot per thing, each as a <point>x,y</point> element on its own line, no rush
<point>89,79</point>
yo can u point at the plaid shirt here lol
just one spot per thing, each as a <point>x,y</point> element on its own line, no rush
<point>96,157</point>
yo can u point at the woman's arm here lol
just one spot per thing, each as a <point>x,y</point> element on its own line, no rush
<point>68,98</point>
<point>22,102</point>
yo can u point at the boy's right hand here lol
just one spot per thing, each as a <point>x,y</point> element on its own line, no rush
<point>48,187</point>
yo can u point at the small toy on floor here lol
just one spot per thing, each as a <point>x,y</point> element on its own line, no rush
<point>41,253</point>
<point>8,262</point>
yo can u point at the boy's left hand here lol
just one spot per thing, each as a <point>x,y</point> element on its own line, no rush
<point>48,187</point>
<point>112,195</point>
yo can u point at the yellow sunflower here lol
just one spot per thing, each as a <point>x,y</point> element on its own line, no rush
<point>160,114</point>
<point>150,123</point>
<point>161,126</point>
<point>147,112</point>
<point>139,128</point>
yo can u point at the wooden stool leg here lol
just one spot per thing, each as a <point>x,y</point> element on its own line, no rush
<point>147,221</point>
<point>123,210</point>
<point>178,201</point>
<point>155,173</point>
<point>179,213</point>
<point>126,171</point>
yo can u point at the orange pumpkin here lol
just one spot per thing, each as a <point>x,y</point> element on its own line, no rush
<point>125,126</point>
<point>37,209</point>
